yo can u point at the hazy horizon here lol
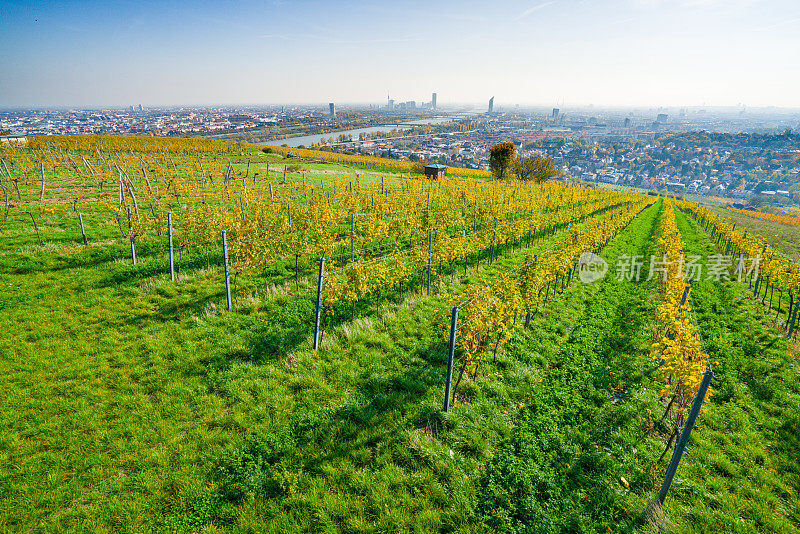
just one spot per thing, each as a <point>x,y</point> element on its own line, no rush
<point>565,53</point>
<point>444,107</point>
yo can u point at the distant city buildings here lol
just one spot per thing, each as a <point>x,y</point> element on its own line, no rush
<point>407,105</point>
<point>624,147</point>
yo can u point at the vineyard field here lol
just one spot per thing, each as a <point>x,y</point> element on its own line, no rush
<point>783,237</point>
<point>133,402</point>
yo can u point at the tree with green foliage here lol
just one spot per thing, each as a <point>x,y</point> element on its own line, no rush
<point>501,158</point>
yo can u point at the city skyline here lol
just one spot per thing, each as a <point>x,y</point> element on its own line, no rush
<point>559,53</point>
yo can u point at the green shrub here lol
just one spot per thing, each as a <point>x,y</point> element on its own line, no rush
<point>191,515</point>
<point>247,470</point>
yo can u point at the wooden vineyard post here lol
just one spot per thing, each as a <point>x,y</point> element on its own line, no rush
<point>227,270</point>
<point>791,325</point>
<point>171,253</point>
<point>451,350</point>
<point>319,302</point>
<point>684,439</point>
<point>83,231</point>
<point>133,238</point>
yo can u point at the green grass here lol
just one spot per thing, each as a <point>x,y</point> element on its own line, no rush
<point>132,404</point>
<point>128,389</point>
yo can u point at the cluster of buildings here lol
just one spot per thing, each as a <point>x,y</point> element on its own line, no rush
<point>252,123</point>
<point>644,150</point>
<point>135,120</point>
<point>654,148</point>
<point>391,104</point>
<point>740,171</point>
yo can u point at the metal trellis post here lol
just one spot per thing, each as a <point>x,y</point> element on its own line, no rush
<point>451,350</point>
<point>171,255</point>
<point>319,301</point>
<point>227,271</point>
<point>684,439</point>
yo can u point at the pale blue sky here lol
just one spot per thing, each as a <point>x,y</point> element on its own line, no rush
<point>605,52</point>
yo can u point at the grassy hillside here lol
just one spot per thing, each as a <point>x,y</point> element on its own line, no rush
<point>136,404</point>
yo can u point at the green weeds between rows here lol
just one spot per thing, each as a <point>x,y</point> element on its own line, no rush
<point>742,472</point>
<point>582,458</point>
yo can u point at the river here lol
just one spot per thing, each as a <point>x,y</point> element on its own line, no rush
<point>307,140</point>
